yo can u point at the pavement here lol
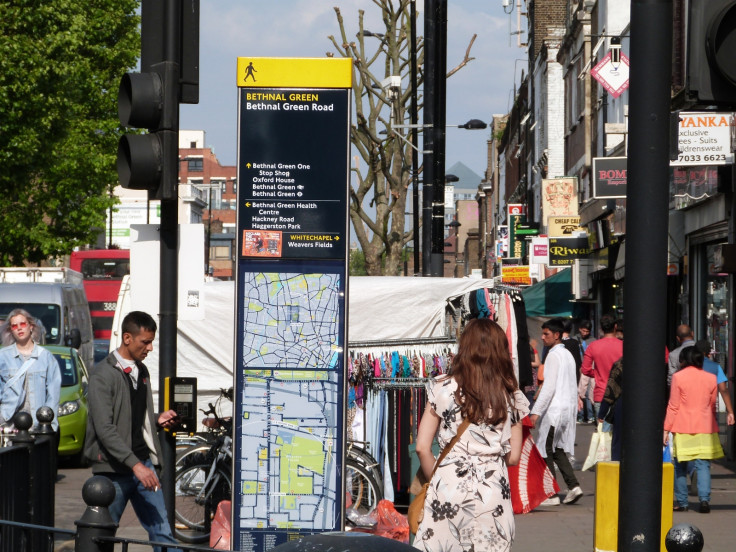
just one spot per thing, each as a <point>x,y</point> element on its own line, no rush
<point>563,528</point>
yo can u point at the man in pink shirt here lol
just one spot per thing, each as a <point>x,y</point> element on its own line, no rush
<point>599,358</point>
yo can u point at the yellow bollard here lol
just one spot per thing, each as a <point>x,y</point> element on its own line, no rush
<point>605,534</point>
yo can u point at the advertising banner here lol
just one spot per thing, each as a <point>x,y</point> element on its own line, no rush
<point>562,227</point>
<point>289,407</point>
<point>613,76</point>
<point>503,240</point>
<point>705,139</point>
<point>559,197</point>
<point>516,217</point>
<point>518,274</point>
<point>563,251</point>
<point>609,177</point>
<point>691,185</point>
<point>539,253</point>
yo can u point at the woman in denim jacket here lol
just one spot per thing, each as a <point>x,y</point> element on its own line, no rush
<point>29,375</point>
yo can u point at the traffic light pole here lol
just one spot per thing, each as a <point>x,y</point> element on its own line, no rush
<point>150,100</point>
<point>169,246</point>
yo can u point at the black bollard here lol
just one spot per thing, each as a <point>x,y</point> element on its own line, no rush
<point>46,461</point>
<point>22,422</point>
<point>684,537</point>
<point>45,415</point>
<point>345,541</point>
<point>98,493</point>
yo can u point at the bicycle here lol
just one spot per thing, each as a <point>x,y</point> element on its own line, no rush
<point>203,478</point>
<point>363,484</point>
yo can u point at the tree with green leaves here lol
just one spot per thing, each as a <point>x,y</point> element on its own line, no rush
<point>60,66</point>
<point>378,197</point>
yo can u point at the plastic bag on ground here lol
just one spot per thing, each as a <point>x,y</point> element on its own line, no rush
<point>390,523</point>
<point>220,533</point>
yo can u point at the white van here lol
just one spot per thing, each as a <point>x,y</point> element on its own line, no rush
<point>62,308</point>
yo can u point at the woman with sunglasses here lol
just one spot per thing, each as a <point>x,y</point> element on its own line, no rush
<point>29,375</point>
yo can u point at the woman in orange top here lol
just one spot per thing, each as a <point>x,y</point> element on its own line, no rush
<point>690,418</point>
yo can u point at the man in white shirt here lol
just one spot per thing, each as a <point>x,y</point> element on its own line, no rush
<point>556,410</point>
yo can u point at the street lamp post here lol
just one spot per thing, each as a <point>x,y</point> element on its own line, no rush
<point>428,145</point>
<point>414,114</point>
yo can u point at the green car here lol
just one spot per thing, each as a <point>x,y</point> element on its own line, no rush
<point>72,412</point>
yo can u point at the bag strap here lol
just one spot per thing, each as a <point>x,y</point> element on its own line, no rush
<point>455,439</point>
<point>21,373</point>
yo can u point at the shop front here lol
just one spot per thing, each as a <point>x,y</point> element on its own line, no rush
<point>708,289</point>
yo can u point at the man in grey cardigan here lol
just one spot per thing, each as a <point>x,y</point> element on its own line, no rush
<point>121,442</point>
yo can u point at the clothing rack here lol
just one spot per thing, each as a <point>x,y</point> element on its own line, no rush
<point>398,383</point>
<point>409,341</point>
<point>425,345</point>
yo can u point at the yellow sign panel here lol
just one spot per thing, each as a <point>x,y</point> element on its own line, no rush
<point>515,275</point>
<point>565,226</point>
<point>295,72</point>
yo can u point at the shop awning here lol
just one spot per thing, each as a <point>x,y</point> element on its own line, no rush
<point>551,297</point>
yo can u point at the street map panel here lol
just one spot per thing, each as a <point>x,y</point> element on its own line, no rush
<point>288,457</point>
<point>291,320</point>
<point>289,460</point>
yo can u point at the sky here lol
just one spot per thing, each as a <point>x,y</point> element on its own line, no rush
<point>299,28</point>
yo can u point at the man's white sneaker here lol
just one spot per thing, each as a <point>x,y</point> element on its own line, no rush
<point>573,495</point>
<point>551,501</point>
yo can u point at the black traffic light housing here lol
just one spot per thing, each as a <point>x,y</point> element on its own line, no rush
<point>150,99</point>
<point>711,54</point>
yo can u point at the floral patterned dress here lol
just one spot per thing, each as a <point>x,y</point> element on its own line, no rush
<point>468,504</point>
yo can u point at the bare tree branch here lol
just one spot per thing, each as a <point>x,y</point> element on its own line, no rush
<point>467,59</point>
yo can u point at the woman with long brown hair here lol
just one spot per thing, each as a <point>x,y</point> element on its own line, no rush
<point>468,502</point>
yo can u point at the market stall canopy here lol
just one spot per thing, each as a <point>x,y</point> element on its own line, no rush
<point>552,297</point>
<point>395,307</point>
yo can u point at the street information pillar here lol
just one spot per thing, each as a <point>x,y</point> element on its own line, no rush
<point>293,181</point>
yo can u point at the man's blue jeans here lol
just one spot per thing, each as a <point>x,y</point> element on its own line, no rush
<point>148,505</point>
<point>703,469</point>
<point>606,425</point>
<point>587,412</point>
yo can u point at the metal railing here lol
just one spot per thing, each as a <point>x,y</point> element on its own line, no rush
<point>27,478</point>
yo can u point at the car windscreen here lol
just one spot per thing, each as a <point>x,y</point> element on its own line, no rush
<point>47,315</point>
<point>67,368</point>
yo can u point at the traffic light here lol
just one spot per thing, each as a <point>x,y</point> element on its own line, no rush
<point>150,99</point>
<point>711,44</point>
<point>150,161</point>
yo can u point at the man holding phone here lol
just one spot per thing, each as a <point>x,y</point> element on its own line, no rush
<point>122,441</point>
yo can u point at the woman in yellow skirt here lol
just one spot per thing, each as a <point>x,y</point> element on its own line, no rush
<point>690,418</point>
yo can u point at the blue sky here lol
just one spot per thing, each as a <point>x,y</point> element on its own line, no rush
<point>299,28</point>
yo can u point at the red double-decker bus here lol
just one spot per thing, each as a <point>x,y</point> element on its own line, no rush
<point>103,271</point>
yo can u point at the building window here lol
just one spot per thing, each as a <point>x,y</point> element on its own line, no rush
<point>235,186</point>
<point>224,187</point>
<point>195,165</point>
<point>220,252</point>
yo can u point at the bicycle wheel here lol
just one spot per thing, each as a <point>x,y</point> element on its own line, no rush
<point>362,456</point>
<point>197,500</point>
<point>361,487</point>
<point>193,454</point>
